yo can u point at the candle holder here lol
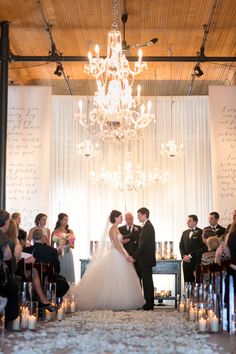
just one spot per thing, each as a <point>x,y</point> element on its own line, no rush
<point>26,293</point>
<point>158,250</point>
<point>50,291</point>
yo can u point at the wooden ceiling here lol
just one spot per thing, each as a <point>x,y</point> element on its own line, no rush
<point>178,24</point>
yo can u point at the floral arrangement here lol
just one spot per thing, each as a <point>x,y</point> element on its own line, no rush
<point>64,241</point>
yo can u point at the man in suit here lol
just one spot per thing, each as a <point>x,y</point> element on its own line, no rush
<point>145,256</point>
<point>189,246</point>
<point>130,233</point>
<point>41,252</point>
<point>214,226</point>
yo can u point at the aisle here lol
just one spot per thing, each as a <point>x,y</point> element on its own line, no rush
<point>160,331</point>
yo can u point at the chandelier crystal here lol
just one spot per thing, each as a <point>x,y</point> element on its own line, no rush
<point>171,149</point>
<point>116,113</point>
<point>130,178</point>
<point>88,149</point>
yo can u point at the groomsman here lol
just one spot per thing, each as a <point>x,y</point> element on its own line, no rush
<point>145,256</point>
<point>190,244</point>
<point>214,226</point>
<point>130,233</point>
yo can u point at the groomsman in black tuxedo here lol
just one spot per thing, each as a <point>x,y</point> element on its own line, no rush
<point>214,226</point>
<point>145,256</point>
<point>130,233</point>
<point>190,244</point>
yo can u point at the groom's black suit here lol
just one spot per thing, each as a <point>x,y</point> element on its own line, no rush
<point>145,256</point>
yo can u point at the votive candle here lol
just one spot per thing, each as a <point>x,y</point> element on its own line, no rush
<point>32,320</point>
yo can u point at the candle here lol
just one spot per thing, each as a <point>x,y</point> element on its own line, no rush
<point>202,325</point>
<point>32,320</point>
<point>16,324</point>
<point>214,324</point>
<point>191,314</point>
<point>72,307</point>
<point>210,313</point>
<point>24,321</point>
<point>60,313</point>
<point>181,308</point>
<point>48,315</point>
<point>200,313</point>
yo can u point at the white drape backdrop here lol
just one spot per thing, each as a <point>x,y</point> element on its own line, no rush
<point>189,189</point>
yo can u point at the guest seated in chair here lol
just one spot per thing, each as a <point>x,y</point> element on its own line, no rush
<point>212,244</point>
<point>47,254</point>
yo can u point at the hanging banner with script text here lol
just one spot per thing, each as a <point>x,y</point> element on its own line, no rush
<point>28,152</point>
<point>222,105</point>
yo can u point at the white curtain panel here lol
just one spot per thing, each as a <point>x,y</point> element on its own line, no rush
<point>188,190</point>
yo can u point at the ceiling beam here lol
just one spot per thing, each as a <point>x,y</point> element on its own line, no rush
<point>23,58</point>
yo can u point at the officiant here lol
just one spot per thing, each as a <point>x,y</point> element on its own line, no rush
<point>130,233</point>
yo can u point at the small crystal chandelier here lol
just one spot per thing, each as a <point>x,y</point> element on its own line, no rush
<point>88,149</point>
<point>171,149</point>
<point>115,113</point>
<point>130,178</point>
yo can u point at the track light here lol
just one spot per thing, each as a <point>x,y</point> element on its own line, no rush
<point>59,70</point>
<point>197,70</point>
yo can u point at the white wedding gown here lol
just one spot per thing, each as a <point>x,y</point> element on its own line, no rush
<point>110,282</point>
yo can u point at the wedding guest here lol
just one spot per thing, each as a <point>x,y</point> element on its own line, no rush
<point>145,255</point>
<point>130,233</point>
<point>212,244</point>
<point>64,239</point>
<point>40,221</point>
<point>14,245</point>
<point>231,243</point>
<point>8,285</point>
<point>190,244</point>
<point>47,254</point>
<point>22,234</point>
<point>213,219</point>
<point>205,235</point>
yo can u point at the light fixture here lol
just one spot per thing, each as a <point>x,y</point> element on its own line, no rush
<point>115,113</point>
<point>88,149</point>
<point>59,70</point>
<point>129,178</point>
<point>197,70</point>
<point>171,149</point>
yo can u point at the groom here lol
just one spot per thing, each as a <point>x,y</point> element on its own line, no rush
<point>145,256</point>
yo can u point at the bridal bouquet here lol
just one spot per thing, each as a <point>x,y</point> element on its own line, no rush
<point>64,241</point>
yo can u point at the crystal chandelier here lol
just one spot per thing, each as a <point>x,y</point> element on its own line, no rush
<point>131,178</point>
<point>171,149</point>
<point>115,113</point>
<point>88,149</point>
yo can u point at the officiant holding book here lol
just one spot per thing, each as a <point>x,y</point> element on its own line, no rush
<point>130,233</point>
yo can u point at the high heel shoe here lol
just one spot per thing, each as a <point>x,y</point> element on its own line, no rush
<point>48,307</point>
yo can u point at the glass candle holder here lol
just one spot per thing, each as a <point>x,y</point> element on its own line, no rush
<point>50,291</point>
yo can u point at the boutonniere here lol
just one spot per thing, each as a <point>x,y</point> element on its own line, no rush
<point>136,228</point>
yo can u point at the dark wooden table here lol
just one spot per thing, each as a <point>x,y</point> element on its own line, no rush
<point>165,266</point>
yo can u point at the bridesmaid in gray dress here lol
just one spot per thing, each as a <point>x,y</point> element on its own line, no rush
<point>64,239</point>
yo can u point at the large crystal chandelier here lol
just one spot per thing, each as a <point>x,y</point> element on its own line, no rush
<point>130,178</point>
<point>116,114</point>
<point>171,149</point>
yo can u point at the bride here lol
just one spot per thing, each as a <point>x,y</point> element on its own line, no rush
<point>111,281</point>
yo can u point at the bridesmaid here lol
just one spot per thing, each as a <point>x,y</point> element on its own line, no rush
<point>64,239</point>
<point>40,221</point>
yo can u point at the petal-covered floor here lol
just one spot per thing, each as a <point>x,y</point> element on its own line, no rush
<point>159,331</point>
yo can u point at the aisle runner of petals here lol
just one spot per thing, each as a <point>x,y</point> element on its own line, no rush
<point>114,332</point>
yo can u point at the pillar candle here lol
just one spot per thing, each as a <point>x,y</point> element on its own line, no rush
<point>32,320</point>
<point>202,325</point>
<point>210,313</point>
<point>72,307</point>
<point>214,324</point>
<point>60,313</point>
<point>24,321</point>
<point>48,315</point>
<point>191,314</point>
<point>181,307</point>
<point>16,324</point>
